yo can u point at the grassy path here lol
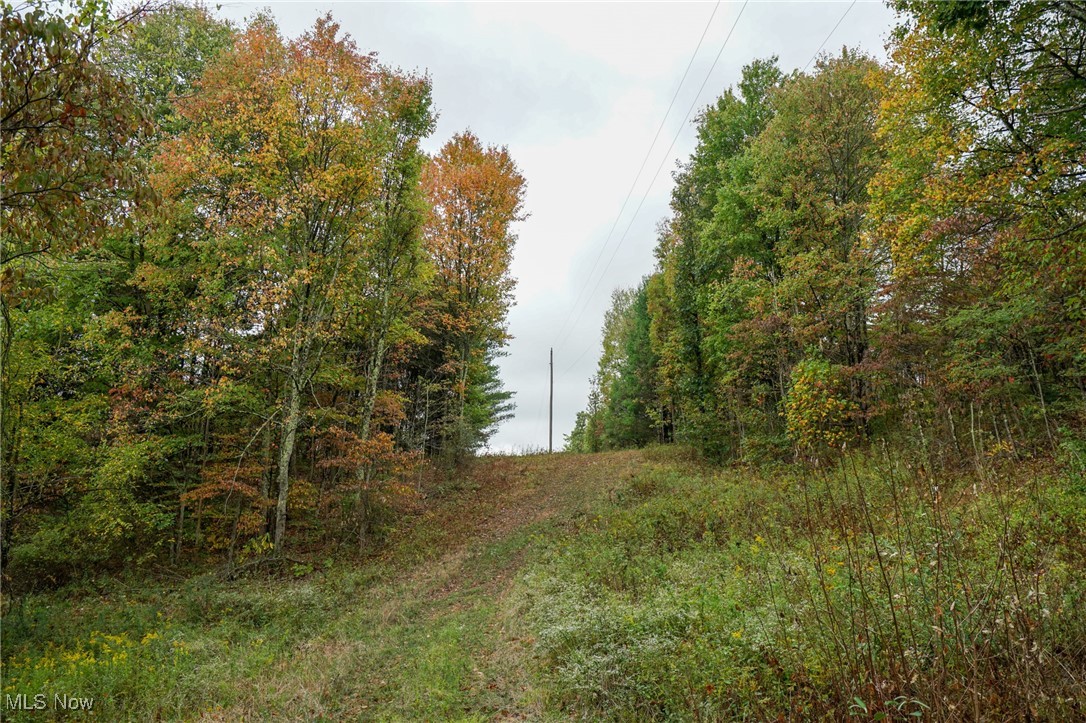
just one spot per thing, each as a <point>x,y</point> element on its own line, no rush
<point>431,635</point>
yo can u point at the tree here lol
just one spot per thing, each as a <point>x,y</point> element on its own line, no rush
<point>813,165</point>
<point>163,57</point>
<point>69,127</point>
<point>760,266</point>
<point>633,418</point>
<point>476,194</point>
<point>297,157</point>
<point>978,216</point>
<point>246,346</point>
<point>714,224</point>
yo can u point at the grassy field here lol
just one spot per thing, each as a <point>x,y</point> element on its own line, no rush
<point>426,631</point>
<point>627,586</point>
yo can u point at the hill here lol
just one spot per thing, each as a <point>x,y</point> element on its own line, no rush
<point>632,585</point>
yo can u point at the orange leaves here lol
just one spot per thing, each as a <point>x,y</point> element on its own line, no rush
<point>388,409</point>
<point>216,488</point>
<point>476,194</point>
<point>373,459</point>
<point>277,129</point>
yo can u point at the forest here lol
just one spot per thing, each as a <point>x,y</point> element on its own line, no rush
<point>235,289</point>
<point>832,464</point>
<point>870,295</point>
<point>870,252</point>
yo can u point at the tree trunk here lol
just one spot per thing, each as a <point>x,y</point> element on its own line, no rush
<point>373,377</point>
<point>291,418</point>
<point>265,479</point>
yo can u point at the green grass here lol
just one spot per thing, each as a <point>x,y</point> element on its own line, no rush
<point>630,586</point>
<point>421,632</point>
<point>866,591</point>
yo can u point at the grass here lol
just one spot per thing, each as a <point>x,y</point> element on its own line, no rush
<point>869,590</point>
<point>421,632</point>
<point>622,586</point>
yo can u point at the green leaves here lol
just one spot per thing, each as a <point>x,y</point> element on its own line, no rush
<point>170,367</point>
<point>917,227</point>
<point>476,195</point>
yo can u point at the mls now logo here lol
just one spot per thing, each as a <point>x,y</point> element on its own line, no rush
<point>40,701</point>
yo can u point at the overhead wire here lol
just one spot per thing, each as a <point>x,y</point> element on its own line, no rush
<point>663,161</point>
<point>814,56</point>
<point>560,336</point>
<point>828,36</point>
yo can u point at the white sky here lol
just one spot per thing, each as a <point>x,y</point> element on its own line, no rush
<point>577,91</point>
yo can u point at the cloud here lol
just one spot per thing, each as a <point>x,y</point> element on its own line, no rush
<point>577,91</point>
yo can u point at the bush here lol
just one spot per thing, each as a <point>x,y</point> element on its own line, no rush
<point>818,409</point>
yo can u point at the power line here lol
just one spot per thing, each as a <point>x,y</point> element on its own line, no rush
<point>805,67</point>
<point>660,167</point>
<point>579,357</point>
<point>644,161</point>
<point>828,36</point>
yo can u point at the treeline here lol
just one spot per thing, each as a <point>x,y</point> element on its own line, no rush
<point>238,298</point>
<point>870,251</point>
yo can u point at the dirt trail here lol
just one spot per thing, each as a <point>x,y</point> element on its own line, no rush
<point>509,495</point>
<point>517,491</point>
<point>432,636</point>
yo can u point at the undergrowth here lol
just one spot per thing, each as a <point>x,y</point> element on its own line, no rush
<point>659,588</point>
<point>871,589</point>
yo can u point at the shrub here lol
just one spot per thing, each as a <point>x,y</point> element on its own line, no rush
<point>818,409</point>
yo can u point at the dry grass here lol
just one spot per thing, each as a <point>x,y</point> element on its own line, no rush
<point>506,580</point>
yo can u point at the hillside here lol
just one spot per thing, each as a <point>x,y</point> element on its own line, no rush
<point>631,585</point>
<point>424,631</point>
<point>274,285</point>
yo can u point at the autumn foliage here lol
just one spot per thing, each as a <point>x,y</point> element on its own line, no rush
<point>870,251</point>
<point>260,305</point>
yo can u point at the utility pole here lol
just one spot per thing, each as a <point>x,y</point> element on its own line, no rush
<point>550,414</point>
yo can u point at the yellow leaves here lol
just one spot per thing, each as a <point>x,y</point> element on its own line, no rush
<point>818,409</point>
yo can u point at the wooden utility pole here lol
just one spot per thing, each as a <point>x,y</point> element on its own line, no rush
<point>550,414</point>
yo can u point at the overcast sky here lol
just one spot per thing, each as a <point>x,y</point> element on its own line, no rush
<point>577,93</point>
